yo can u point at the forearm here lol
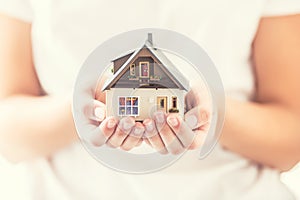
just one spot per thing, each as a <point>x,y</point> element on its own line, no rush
<point>268,134</point>
<point>32,126</point>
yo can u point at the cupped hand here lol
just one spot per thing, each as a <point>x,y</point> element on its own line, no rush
<point>169,133</point>
<point>124,133</point>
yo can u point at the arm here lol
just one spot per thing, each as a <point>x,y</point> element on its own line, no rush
<point>268,130</point>
<point>32,124</point>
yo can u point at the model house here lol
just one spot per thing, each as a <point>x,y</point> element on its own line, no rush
<point>144,81</point>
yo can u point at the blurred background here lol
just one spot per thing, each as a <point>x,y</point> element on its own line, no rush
<point>292,180</point>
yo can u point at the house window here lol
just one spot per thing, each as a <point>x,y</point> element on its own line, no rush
<point>162,103</point>
<point>132,69</point>
<point>144,69</point>
<point>174,102</point>
<point>128,106</point>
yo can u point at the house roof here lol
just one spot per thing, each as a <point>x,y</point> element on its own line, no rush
<point>167,66</point>
<point>122,56</point>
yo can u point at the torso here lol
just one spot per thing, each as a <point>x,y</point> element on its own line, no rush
<point>65,32</point>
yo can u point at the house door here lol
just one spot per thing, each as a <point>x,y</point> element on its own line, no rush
<point>162,103</point>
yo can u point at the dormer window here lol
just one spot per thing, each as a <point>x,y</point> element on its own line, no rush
<point>144,69</point>
<point>132,69</point>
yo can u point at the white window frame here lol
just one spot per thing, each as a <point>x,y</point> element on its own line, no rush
<point>140,64</point>
<point>126,106</point>
<point>132,69</point>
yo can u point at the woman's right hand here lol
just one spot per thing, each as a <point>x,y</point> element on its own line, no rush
<point>124,133</point>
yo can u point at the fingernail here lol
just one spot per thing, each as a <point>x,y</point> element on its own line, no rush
<point>191,121</point>
<point>172,121</point>
<point>111,123</point>
<point>149,127</point>
<point>160,117</point>
<point>148,123</point>
<point>127,124</point>
<point>99,113</point>
<point>138,131</point>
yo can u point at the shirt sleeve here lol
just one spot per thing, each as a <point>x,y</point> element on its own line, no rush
<point>20,9</point>
<point>281,7</point>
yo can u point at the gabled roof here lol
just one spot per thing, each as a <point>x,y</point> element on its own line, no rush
<point>122,56</point>
<point>167,66</point>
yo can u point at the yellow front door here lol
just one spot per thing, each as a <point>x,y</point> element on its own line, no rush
<point>162,103</point>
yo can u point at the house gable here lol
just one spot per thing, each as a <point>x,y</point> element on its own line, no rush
<point>156,75</point>
<point>147,67</point>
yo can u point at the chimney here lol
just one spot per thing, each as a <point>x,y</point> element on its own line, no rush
<point>150,38</point>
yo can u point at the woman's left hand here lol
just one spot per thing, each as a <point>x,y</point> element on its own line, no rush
<point>169,133</point>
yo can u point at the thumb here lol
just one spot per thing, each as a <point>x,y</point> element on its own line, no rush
<point>196,117</point>
<point>95,110</point>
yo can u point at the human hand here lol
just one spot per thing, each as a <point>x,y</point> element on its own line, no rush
<point>124,133</point>
<point>198,114</point>
<point>170,133</point>
<point>108,130</point>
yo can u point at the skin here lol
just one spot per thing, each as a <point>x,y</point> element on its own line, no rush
<point>175,135</point>
<point>268,129</point>
<point>28,117</point>
<point>265,130</point>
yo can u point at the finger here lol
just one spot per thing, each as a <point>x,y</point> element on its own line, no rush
<point>121,132</point>
<point>152,137</point>
<point>147,141</point>
<point>134,137</point>
<point>169,139</point>
<point>99,110</point>
<point>191,99</point>
<point>139,142</point>
<point>183,132</point>
<point>200,136</point>
<point>99,95</point>
<point>199,139</point>
<point>197,117</point>
<point>95,110</point>
<point>101,134</point>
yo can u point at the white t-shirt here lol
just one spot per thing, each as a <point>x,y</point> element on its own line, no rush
<point>64,32</point>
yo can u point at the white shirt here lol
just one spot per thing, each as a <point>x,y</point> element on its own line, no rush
<point>64,32</point>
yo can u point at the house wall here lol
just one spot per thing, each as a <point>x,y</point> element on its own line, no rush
<point>147,100</point>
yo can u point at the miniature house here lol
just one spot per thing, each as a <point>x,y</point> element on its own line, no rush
<point>144,81</point>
